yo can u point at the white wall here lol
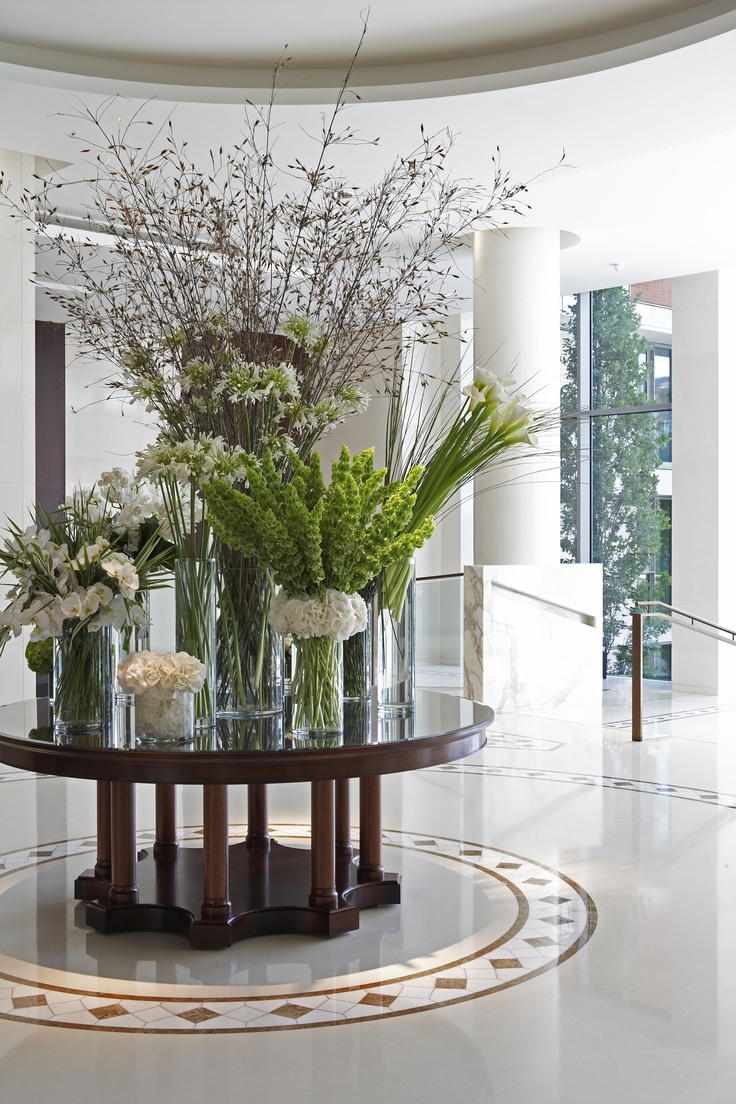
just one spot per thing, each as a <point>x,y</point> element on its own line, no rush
<point>17,390</point>
<point>703,514</point>
<point>102,432</point>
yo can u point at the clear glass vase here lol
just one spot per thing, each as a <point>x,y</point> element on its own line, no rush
<point>164,718</point>
<point>83,679</point>
<point>133,637</point>
<point>250,655</point>
<point>357,654</point>
<point>195,584</point>
<point>316,686</point>
<point>395,620</point>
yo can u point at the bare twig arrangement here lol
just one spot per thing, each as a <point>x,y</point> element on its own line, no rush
<point>198,282</point>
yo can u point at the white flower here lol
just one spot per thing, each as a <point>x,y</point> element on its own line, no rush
<point>336,614</point>
<point>165,674</point>
<point>475,395</point>
<point>71,606</point>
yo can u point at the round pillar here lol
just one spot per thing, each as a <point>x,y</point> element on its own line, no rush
<point>516,333</point>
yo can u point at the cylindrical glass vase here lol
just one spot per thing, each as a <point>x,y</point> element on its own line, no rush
<point>196,610</point>
<point>133,637</point>
<point>357,654</point>
<point>164,718</point>
<point>84,679</point>
<point>250,655</point>
<point>316,686</point>
<point>395,625</point>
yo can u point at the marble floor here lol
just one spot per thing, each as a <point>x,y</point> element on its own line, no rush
<point>567,936</point>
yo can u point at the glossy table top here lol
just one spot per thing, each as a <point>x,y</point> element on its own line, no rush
<point>250,750</point>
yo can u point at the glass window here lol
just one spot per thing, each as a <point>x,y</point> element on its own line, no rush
<point>611,510</point>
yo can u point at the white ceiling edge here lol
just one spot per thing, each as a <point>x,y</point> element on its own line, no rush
<point>192,83</point>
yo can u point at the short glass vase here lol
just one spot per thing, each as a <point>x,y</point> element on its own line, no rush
<point>164,718</point>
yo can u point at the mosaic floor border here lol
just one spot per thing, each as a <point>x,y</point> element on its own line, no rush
<point>678,715</point>
<point>556,917</point>
<point>660,789</point>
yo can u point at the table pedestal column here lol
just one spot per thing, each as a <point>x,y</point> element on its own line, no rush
<point>216,900</point>
<point>165,846</point>
<point>370,866</point>
<point>324,892</point>
<point>103,866</point>
<point>343,838</point>
<point>258,838</point>
<point>123,890</point>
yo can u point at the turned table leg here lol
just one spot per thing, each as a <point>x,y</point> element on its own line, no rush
<point>165,846</point>
<point>343,844</point>
<point>103,866</point>
<point>123,889</point>
<point>370,867</point>
<point>258,837</point>
<point>324,891</point>
<point>216,899</point>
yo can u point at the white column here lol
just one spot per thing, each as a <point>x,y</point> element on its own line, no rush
<point>516,331</point>
<point>703,515</point>
<point>17,389</point>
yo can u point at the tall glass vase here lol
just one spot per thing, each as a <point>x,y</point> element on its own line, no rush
<point>83,679</point>
<point>357,654</point>
<point>133,638</point>
<point>195,584</point>
<point>250,655</point>
<point>316,686</point>
<point>395,627</point>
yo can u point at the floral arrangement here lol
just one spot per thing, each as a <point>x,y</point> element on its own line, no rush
<point>133,508</point>
<point>453,439</point>
<point>319,541</point>
<point>248,296</point>
<point>161,674</point>
<point>90,584</point>
<point>178,468</point>
<point>322,544</point>
<point>164,685</point>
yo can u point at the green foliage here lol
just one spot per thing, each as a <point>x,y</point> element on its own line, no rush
<point>627,524</point>
<point>314,537</point>
<point>40,656</point>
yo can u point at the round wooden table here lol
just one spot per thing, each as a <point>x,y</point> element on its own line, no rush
<point>223,892</point>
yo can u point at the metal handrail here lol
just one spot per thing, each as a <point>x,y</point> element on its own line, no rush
<point>692,623</point>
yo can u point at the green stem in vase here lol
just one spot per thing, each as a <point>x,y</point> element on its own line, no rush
<point>395,580</point>
<point>317,685</point>
<point>195,614</point>
<point>82,678</point>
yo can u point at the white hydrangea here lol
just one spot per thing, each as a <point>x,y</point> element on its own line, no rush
<point>335,614</point>
<point>161,674</point>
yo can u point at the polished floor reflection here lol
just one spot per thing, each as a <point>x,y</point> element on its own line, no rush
<point>622,855</point>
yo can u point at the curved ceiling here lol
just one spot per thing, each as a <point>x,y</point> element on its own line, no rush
<point>640,93</point>
<point>223,50</point>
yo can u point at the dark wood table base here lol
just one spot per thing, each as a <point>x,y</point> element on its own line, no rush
<point>268,894</point>
<point>220,893</point>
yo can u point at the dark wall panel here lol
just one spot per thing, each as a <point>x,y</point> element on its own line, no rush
<point>50,415</point>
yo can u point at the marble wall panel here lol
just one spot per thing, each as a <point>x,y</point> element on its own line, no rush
<point>533,635</point>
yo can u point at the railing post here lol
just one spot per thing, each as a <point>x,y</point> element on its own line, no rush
<point>637,672</point>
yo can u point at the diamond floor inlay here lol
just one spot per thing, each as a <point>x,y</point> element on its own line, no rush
<point>554,918</point>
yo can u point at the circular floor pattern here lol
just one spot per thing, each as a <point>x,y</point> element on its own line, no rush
<point>551,920</point>
<point>554,917</point>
